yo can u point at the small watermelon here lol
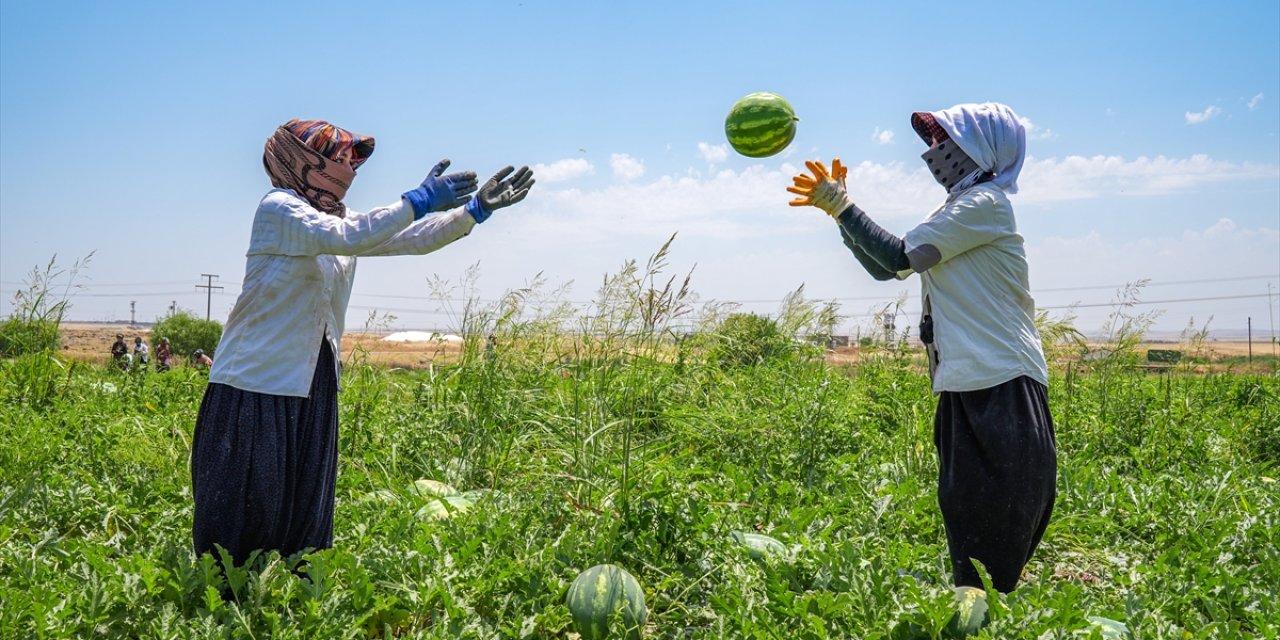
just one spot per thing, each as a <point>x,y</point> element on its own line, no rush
<point>427,488</point>
<point>443,507</point>
<point>760,125</point>
<point>381,495</point>
<point>758,546</point>
<point>599,592</point>
<point>971,611</point>
<point>1110,629</point>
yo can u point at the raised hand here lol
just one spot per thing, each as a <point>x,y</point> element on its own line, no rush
<point>824,189</point>
<point>502,190</point>
<point>440,192</point>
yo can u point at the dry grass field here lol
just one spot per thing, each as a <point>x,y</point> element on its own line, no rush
<point>91,342</point>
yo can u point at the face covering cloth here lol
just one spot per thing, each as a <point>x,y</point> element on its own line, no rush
<point>991,134</point>
<point>951,167</point>
<point>300,155</point>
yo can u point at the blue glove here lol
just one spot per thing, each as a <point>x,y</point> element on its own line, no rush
<point>441,192</point>
<point>500,191</point>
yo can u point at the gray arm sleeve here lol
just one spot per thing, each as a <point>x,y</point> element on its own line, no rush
<point>873,268</point>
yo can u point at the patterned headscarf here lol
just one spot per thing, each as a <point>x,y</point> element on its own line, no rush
<point>302,155</point>
<point>927,127</point>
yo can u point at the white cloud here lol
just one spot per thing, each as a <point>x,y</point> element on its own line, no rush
<point>713,153</point>
<point>562,170</point>
<point>1036,133</point>
<point>1211,112</point>
<point>1223,248</point>
<point>752,202</point>
<point>882,136</point>
<point>626,167</point>
<point>1255,102</point>
<point>1078,177</point>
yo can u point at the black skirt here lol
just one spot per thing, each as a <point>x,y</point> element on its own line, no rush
<point>264,467</point>
<point>997,477</point>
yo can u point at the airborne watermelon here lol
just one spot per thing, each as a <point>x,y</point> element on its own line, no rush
<point>760,125</point>
<point>600,591</point>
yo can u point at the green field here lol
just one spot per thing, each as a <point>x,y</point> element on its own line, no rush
<point>625,445</point>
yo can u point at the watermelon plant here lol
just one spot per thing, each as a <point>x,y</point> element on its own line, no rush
<point>624,442</point>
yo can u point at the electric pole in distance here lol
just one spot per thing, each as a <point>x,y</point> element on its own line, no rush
<point>209,287</point>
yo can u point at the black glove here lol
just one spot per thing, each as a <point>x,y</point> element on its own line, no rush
<point>500,191</point>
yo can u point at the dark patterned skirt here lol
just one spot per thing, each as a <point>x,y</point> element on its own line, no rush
<point>263,468</point>
<point>997,476</point>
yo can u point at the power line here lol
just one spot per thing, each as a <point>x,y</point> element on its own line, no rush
<point>1149,302</point>
<point>208,310</point>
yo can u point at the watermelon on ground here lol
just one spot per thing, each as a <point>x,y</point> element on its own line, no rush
<point>1111,629</point>
<point>971,611</point>
<point>597,594</point>
<point>758,545</point>
<point>427,488</point>
<point>381,495</point>
<point>760,125</point>
<point>443,507</point>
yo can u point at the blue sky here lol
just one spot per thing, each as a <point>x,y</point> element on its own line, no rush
<point>134,131</point>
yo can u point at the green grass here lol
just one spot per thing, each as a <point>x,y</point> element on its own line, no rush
<point>625,441</point>
<point>1166,518</point>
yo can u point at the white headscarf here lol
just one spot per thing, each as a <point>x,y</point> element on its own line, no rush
<point>992,135</point>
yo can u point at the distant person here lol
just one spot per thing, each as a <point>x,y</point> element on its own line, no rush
<point>265,451</point>
<point>120,352</point>
<point>140,351</point>
<point>202,359</point>
<point>164,353</point>
<point>992,429</point>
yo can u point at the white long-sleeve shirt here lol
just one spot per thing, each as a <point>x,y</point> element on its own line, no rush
<point>297,283</point>
<point>979,294</point>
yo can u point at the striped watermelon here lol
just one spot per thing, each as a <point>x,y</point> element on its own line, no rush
<point>760,125</point>
<point>443,507</point>
<point>971,612</point>
<point>759,545</point>
<point>597,594</point>
<point>1108,628</point>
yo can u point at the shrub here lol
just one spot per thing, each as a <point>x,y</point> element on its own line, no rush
<point>21,336</point>
<point>38,311</point>
<point>186,333</point>
<point>747,339</point>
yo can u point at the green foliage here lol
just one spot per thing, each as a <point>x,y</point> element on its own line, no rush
<point>32,326</point>
<point>186,333</point>
<point>625,446</point>
<point>745,339</point>
<point>21,337</point>
<point>32,370</point>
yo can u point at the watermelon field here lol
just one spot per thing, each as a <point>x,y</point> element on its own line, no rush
<point>616,439</point>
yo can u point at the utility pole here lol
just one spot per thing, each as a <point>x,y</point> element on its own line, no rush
<point>173,307</point>
<point>209,287</point>
<point>133,308</point>
<point>1250,339</point>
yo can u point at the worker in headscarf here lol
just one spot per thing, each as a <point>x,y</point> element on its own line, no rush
<point>992,429</point>
<point>264,455</point>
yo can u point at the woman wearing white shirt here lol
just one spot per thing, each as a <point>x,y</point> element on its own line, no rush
<point>264,455</point>
<point>992,429</point>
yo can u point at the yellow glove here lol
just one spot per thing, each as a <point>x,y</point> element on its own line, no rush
<point>824,189</point>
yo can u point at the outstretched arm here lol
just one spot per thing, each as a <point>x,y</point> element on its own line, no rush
<point>886,249</point>
<point>881,253</point>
